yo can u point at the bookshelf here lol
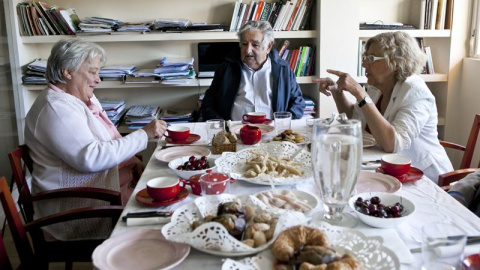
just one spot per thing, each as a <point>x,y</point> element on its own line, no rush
<point>335,35</point>
<point>142,50</point>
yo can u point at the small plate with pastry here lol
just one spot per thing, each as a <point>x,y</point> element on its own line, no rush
<point>286,200</point>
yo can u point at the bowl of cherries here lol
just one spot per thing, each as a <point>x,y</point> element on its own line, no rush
<point>187,166</point>
<point>381,209</point>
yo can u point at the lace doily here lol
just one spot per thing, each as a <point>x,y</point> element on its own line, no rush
<point>234,163</point>
<point>212,237</point>
<point>368,250</point>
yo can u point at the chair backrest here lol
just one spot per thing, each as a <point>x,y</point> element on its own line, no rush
<point>469,148</point>
<point>20,160</point>
<point>43,252</point>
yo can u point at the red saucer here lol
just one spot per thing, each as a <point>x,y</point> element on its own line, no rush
<point>472,262</point>
<point>266,122</point>
<point>412,175</point>
<point>191,139</point>
<point>143,197</point>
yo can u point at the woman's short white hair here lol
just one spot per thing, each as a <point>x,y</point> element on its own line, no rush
<point>70,54</point>
<point>401,51</point>
<point>263,26</point>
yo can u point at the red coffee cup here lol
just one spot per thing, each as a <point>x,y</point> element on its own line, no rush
<point>395,165</point>
<point>215,183</point>
<point>255,117</point>
<point>250,134</point>
<point>178,133</point>
<point>164,188</point>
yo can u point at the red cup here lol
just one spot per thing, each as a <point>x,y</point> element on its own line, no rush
<point>194,182</point>
<point>395,165</point>
<point>250,134</point>
<point>215,183</point>
<point>178,133</point>
<point>255,117</point>
<point>164,188</point>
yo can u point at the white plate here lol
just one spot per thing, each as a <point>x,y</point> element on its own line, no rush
<point>266,129</point>
<point>234,163</point>
<point>169,154</point>
<point>139,249</point>
<point>370,251</point>
<point>377,182</point>
<point>302,196</point>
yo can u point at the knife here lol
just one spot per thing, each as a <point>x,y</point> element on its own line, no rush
<point>470,241</point>
<point>144,214</point>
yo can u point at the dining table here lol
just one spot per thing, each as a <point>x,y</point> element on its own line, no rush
<point>432,205</point>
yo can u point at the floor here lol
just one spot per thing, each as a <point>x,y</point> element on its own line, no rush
<point>12,254</point>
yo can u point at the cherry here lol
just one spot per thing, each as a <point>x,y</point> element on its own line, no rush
<point>180,167</point>
<point>192,159</point>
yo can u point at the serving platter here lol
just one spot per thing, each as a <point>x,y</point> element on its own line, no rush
<point>235,165</point>
<point>370,251</point>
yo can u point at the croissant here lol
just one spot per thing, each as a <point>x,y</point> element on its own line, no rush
<point>295,238</point>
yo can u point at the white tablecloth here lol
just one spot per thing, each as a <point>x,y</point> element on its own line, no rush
<point>432,205</point>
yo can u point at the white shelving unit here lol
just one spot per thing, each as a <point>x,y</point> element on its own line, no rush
<point>336,34</point>
<point>142,50</point>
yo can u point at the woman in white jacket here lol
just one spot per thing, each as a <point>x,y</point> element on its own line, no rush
<point>73,143</point>
<point>395,106</point>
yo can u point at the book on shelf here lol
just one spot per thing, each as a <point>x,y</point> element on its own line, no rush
<point>440,20</point>
<point>241,15</point>
<point>267,9</point>
<point>430,68</point>
<point>448,14</point>
<point>284,46</point>
<point>293,15</point>
<point>233,23</point>
<point>434,14</point>
<point>258,10</point>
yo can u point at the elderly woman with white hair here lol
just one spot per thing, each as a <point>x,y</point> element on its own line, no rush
<point>395,105</point>
<point>73,143</point>
<point>253,79</point>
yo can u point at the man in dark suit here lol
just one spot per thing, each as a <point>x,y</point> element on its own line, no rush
<point>253,79</point>
<point>467,191</point>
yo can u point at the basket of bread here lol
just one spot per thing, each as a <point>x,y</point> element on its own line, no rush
<point>224,141</point>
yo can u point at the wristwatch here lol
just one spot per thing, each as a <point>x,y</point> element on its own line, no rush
<point>365,100</point>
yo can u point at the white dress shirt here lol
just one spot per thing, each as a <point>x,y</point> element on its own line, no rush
<point>255,92</point>
<point>413,113</point>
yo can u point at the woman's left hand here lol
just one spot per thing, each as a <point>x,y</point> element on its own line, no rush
<point>347,83</point>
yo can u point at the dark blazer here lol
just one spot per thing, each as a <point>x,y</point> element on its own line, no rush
<point>219,98</point>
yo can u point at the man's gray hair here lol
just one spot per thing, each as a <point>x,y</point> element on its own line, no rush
<point>263,26</point>
<point>401,51</point>
<point>70,54</point>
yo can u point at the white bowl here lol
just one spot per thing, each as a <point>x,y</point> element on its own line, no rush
<point>387,199</point>
<point>187,174</point>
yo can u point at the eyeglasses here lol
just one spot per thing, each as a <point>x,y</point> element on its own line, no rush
<point>371,58</point>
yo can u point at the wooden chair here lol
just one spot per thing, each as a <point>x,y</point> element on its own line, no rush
<point>446,179</point>
<point>469,147</point>
<point>20,162</point>
<point>43,251</point>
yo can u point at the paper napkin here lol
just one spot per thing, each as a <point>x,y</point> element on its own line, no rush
<point>147,221</point>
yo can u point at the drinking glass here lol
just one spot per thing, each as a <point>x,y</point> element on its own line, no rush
<point>283,121</point>
<point>336,156</point>
<point>214,126</point>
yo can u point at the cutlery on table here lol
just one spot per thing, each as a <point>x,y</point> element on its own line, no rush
<point>470,241</point>
<point>371,162</point>
<point>145,214</point>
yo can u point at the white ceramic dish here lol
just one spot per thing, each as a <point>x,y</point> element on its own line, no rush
<point>169,154</point>
<point>377,182</point>
<point>298,196</point>
<point>212,237</point>
<point>387,199</point>
<point>142,249</point>
<point>266,129</point>
<point>187,174</point>
<point>235,165</point>
<point>370,251</point>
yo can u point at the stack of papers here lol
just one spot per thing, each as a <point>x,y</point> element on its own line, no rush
<point>134,27</point>
<point>175,70</point>
<point>177,116</point>
<point>159,24</point>
<point>310,106</point>
<point>99,25</point>
<point>138,116</point>
<point>35,73</point>
<point>117,71</point>
<point>114,109</point>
